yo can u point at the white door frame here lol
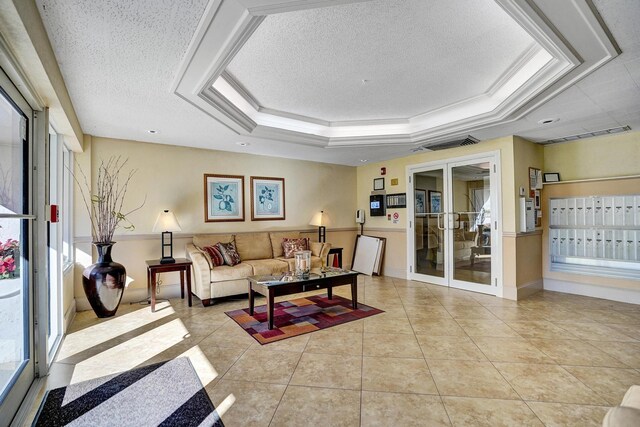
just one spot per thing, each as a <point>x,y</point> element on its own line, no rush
<point>496,287</point>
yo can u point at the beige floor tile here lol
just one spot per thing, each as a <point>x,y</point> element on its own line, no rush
<point>511,350</point>
<point>397,375</point>
<point>573,352</point>
<point>564,415</point>
<point>383,324</point>
<point>401,409</point>
<point>449,348</point>
<point>334,343</point>
<point>60,375</point>
<point>229,335</point>
<point>264,366</point>
<point>631,330</point>
<point>391,345</point>
<point>220,358</point>
<point>594,331</point>
<point>487,328</point>
<point>356,327</point>
<point>514,313</point>
<point>611,383</point>
<point>609,316</point>
<point>313,406</point>
<point>540,329</point>
<point>448,301</point>
<point>253,403</point>
<point>626,352</point>
<point>547,383</point>
<point>328,370</point>
<point>436,327</point>
<point>391,311</point>
<point>433,312</point>
<point>470,379</point>
<point>477,412</point>
<point>470,312</point>
<point>295,344</point>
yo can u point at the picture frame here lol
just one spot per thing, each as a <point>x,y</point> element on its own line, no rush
<point>420,197</point>
<point>267,198</point>
<point>223,198</point>
<point>378,184</point>
<point>551,177</point>
<point>435,201</point>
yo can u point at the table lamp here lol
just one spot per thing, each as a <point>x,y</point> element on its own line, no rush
<point>167,223</point>
<point>320,220</point>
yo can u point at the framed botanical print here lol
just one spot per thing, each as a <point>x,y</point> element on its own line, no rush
<point>435,201</point>
<point>420,201</point>
<point>267,198</point>
<point>223,198</point>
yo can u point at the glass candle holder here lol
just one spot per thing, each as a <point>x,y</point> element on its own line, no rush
<point>303,263</point>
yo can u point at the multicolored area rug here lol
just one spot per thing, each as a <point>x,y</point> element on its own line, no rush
<point>299,316</point>
<point>165,394</point>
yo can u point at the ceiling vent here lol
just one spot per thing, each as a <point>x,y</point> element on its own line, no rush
<point>469,140</point>
<point>586,135</point>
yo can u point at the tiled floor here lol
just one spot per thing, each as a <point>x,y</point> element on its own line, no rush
<point>437,356</point>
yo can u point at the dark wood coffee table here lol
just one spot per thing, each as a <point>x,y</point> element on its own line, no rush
<point>288,283</point>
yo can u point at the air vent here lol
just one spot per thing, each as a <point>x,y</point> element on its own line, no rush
<point>586,135</point>
<point>469,140</point>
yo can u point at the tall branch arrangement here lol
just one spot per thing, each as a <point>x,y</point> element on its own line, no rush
<point>104,205</point>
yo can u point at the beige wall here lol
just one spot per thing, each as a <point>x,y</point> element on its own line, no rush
<point>171,177</point>
<point>601,157</point>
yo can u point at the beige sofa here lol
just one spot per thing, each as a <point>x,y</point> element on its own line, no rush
<point>260,253</point>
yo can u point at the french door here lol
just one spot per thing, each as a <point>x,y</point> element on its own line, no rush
<point>453,238</point>
<point>17,227</point>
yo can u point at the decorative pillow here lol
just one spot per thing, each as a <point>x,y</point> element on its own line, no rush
<point>214,254</point>
<point>316,248</point>
<point>303,241</point>
<point>229,253</point>
<point>290,247</point>
<point>458,234</point>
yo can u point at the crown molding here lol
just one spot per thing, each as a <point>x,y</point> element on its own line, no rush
<point>572,42</point>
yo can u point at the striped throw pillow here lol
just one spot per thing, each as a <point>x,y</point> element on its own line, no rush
<point>214,255</point>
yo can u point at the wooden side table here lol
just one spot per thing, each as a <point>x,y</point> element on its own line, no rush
<point>338,253</point>
<point>154,267</point>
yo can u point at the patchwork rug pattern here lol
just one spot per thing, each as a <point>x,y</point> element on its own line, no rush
<point>299,316</point>
<point>164,394</point>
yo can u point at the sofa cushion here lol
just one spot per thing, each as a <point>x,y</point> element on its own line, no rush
<point>267,266</point>
<point>226,272</point>
<point>214,256</point>
<point>291,262</point>
<point>202,240</point>
<point>290,247</point>
<point>276,241</point>
<point>254,246</point>
<point>463,244</point>
<point>229,253</point>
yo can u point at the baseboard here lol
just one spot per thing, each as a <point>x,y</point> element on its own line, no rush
<point>135,295</point>
<point>69,315</point>
<point>529,288</point>
<point>398,273</point>
<point>613,294</point>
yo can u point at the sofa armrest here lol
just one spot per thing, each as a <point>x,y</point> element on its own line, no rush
<point>201,272</point>
<point>325,250</point>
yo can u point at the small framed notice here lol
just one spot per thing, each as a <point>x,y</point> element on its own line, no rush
<point>551,177</point>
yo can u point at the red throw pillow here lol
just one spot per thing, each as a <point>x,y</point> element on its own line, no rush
<point>290,247</point>
<point>301,242</point>
<point>214,254</point>
<point>229,253</point>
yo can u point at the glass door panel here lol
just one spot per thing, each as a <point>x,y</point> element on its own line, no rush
<point>429,243</point>
<point>471,223</point>
<point>16,367</point>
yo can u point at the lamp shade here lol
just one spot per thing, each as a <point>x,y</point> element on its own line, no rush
<point>320,219</point>
<point>166,222</point>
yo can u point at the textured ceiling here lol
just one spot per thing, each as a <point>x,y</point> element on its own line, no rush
<point>414,57</point>
<point>119,59</point>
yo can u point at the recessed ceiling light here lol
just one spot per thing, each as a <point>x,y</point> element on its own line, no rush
<point>242,144</point>
<point>152,131</point>
<point>364,160</point>
<point>547,121</point>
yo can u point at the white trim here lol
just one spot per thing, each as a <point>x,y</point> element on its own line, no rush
<point>604,292</point>
<point>398,273</point>
<point>69,315</point>
<point>567,50</point>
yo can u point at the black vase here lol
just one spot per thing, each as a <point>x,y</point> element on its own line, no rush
<point>104,282</point>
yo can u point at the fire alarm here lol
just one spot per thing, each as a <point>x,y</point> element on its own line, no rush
<point>383,171</point>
